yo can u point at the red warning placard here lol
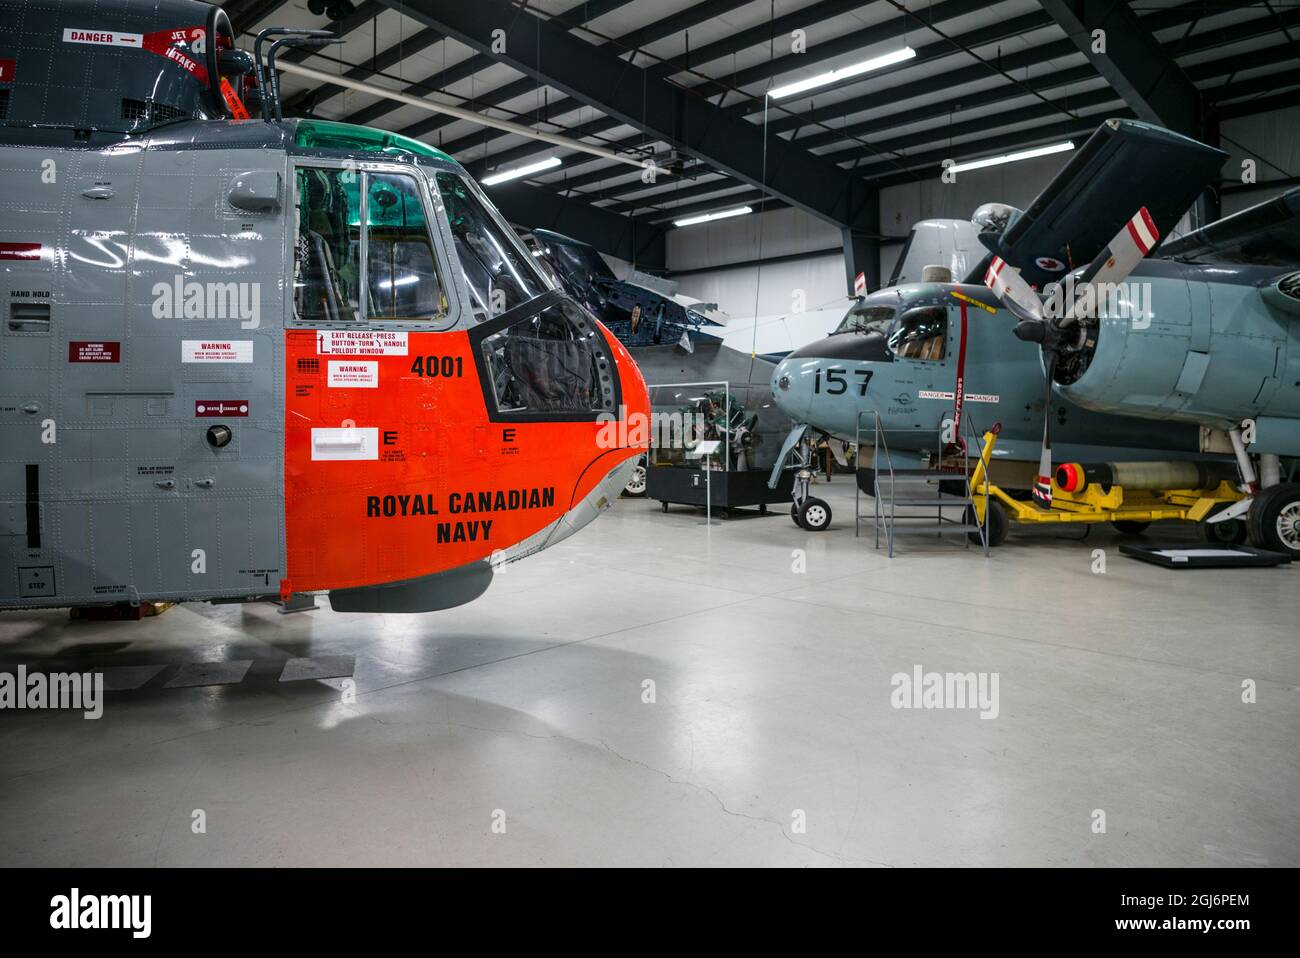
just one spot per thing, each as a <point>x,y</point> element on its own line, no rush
<point>7,67</point>
<point>82,351</point>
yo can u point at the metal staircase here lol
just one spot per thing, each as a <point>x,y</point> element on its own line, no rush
<point>919,489</point>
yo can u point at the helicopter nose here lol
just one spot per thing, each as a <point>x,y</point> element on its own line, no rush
<point>790,386</point>
<point>632,385</point>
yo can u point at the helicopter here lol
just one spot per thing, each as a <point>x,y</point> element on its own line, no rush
<point>252,358</point>
<point>901,357</point>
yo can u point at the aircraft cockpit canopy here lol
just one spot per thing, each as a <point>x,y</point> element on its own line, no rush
<point>867,318</point>
<point>921,333</point>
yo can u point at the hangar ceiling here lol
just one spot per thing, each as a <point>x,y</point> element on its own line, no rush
<point>685,84</point>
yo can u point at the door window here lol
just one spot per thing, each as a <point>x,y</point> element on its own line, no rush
<point>327,261</point>
<point>393,258</point>
<point>402,271</point>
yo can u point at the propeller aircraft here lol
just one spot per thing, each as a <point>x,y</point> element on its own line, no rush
<point>1205,338</point>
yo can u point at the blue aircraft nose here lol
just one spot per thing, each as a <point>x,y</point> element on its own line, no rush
<point>792,386</point>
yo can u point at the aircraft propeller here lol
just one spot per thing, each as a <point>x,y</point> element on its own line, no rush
<point>1048,327</point>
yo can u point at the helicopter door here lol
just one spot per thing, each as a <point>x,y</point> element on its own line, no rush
<point>371,369</point>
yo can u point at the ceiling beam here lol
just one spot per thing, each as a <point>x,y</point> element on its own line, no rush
<point>245,14</point>
<point>309,99</point>
<point>626,93</point>
<point>584,13</point>
<point>1124,51</point>
<point>820,52</point>
<point>629,238</point>
<point>666,27</point>
<point>928,165</point>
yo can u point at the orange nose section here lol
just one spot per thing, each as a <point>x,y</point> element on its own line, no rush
<point>634,411</point>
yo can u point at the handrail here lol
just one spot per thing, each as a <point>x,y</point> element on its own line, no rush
<point>887,515</point>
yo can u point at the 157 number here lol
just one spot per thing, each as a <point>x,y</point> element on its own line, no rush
<point>836,382</point>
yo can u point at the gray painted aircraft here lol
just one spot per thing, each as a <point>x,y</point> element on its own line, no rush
<point>1203,336</point>
<point>244,357</point>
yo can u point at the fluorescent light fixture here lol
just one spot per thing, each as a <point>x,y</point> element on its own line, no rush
<point>1012,157</point>
<point>550,163</point>
<point>719,215</point>
<point>843,73</point>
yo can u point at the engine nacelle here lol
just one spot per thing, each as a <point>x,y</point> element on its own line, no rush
<point>1163,345</point>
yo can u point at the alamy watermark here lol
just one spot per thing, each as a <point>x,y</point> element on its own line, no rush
<point>54,690</point>
<point>659,430</point>
<point>1126,300</point>
<point>181,299</point>
<point>919,689</point>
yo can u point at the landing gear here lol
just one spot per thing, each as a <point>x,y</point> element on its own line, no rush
<point>808,512</point>
<point>635,487</point>
<point>1274,519</point>
<point>814,514</point>
<point>1229,532</point>
<point>1130,527</point>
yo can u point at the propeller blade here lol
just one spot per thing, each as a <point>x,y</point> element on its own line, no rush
<point>1043,481</point>
<point>1008,286</point>
<point>1131,244</point>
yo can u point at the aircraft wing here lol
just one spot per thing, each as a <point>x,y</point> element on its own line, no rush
<point>1267,234</point>
<point>1124,166</point>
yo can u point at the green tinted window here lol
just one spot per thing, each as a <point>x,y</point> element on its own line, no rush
<point>402,271</point>
<point>326,262</point>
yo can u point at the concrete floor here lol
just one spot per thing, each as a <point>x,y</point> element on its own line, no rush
<point>1119,692</point>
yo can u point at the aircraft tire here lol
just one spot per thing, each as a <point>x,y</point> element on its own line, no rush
<point>1128,527</point>
<point>1274,519</point>
<point>636,482</point>
<point>1233,532</point>
<point>794,514</point>
<point>999,523</point>
<point>867,481</point>
<point>814,514</point>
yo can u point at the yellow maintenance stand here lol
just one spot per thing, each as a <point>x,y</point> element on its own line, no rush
<point>1130,511</point>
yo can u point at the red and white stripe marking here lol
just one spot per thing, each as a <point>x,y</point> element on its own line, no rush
<point>1143,230</point>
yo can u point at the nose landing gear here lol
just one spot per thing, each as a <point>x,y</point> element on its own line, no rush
<point>807,511</point>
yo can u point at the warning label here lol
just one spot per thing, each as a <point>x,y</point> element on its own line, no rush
<point>86,352</point>
<point>104,38</point>
<point>970,397</point>
<point>205,351</point>
<point>358,374</point>
<point>220,408</point>
<point>361,342</point>
<point>7,67</point>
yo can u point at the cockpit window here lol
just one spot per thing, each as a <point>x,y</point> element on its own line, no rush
<point>867,319</point>
<point>550,364</point>
<point>500,273</point>
<point>402,270</point>
<point>921,333</point>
